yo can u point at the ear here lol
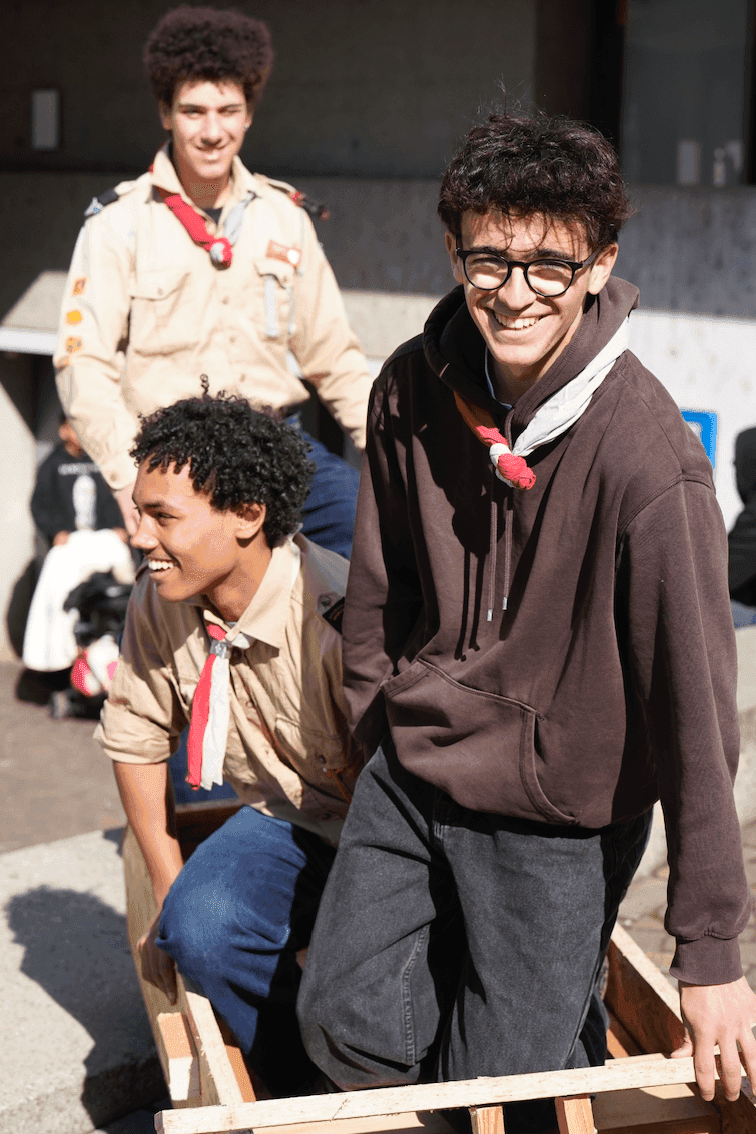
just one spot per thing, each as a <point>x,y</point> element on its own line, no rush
<point>601,268</point>
<point>166,115</point>
<point>456,266</point>
<point>249,521</point>
<point>249,118</point>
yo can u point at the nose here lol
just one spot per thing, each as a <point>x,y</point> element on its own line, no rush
<point>515,293</point>
<point>211,128</point>
<point>144,538</point>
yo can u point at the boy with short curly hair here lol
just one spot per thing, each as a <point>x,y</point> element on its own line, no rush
<point>200,266</point>
<point>233,627</point>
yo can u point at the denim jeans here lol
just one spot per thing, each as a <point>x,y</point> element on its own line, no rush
<point>233,921</point>
<point>328,515</point>
<point>453,943</point>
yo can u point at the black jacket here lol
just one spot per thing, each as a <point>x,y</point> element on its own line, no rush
<point>55,498</point>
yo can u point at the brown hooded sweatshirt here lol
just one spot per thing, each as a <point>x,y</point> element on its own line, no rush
<point>609,679</point>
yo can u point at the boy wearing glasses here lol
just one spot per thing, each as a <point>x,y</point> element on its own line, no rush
<point>537,646</point>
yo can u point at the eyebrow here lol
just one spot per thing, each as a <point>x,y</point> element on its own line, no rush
<point>538,254</point>
<point>199,106</point>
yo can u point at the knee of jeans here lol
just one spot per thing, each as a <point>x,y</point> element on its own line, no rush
<point>197,928</point>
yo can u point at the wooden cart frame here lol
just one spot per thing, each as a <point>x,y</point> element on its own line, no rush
<point>639,1090</point>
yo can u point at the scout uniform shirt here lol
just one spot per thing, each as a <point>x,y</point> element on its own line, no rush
<point>146,312</point>
<point>289,753</point>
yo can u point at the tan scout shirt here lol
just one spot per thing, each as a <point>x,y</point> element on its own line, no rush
<point>146,312</point>
<point>289,752</point>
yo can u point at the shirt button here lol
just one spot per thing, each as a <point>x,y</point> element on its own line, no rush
<point>225,299</point>
<point>232,338</point>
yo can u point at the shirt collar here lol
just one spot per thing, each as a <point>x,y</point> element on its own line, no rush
<point>164,176</point>
<point>266,617</point>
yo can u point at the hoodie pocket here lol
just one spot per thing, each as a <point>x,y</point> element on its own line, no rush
<point>478,746</point>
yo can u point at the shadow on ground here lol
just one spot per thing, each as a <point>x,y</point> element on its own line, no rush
<point>65,933</point>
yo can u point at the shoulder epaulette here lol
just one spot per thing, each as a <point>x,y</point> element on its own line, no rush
<point>97,204</point>
<point>313,208</point>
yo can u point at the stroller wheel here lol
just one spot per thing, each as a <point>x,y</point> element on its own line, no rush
<point>59,705</point>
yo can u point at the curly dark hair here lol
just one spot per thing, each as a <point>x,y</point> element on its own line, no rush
<point>208,44</point>
<point>525,165</point>
<point>235,454</point>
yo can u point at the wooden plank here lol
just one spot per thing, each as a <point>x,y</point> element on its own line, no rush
<point>738,1117</point>
<point>218,1083</point>
<point>487,1120</point>
<point>424,1122</point>
<point>619,1074</point>
<point>640,997</point>
<point>575,1115</point>
<point>183,1067</point>
<point>249,1091</point>
<point>639,1109</point>
<point>618,1043</point>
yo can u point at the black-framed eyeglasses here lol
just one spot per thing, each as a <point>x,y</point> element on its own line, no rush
<point>548,278</point>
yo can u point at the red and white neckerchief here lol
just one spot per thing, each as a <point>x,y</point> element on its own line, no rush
<point>550,420</point>
<point>211,710</point>
<point>219,247</point>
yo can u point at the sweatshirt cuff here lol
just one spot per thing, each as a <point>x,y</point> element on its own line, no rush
<point>708,960</point>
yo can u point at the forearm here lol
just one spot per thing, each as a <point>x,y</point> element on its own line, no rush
<point>148,802</point>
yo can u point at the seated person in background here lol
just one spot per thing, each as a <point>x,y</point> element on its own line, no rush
<point>234,627</point>
<point>76,513</point>
<point>742,538</point>
<point>70,494</point>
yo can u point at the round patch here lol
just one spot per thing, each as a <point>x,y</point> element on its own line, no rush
<point>79,285</point>
<point>74,317</point>
<point>73,344</point>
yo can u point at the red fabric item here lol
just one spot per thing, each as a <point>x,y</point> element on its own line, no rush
<point>515,469</point>
<point>201,714</point>
<point>196,227</point>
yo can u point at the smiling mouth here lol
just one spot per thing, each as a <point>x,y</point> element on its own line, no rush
<point>158,565</point>
<point>520,324</point>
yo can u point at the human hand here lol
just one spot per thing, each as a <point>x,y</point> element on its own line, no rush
<point>60,538</point>
<point>719,1014</point>
<point>157,967</point>
<point>128,509</point>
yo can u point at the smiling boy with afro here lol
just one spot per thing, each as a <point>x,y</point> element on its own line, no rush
<point>219,490</point>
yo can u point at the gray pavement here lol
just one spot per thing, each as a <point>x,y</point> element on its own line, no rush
<point>78,1055</point>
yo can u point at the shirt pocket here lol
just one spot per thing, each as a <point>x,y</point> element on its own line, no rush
<point>276,291</point>
<point>164,317</point>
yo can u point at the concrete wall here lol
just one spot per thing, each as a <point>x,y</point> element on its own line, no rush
<point>372,89</point>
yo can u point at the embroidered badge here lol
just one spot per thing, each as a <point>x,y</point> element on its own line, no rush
<point>73,344</point>
<point>79,285</point>
<point>74,316</point>
<point>335,614</point>
<point>276,251</point>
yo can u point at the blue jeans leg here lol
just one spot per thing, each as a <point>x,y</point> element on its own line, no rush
<point>233,921</point>
<point>452,943</point>
<point>329,510</point>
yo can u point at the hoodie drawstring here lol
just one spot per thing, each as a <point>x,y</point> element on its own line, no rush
<point>492,546</point>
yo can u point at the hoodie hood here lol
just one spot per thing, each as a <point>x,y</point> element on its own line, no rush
<point>455,348</point>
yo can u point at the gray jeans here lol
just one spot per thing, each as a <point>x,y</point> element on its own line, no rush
<point>453,943</point>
